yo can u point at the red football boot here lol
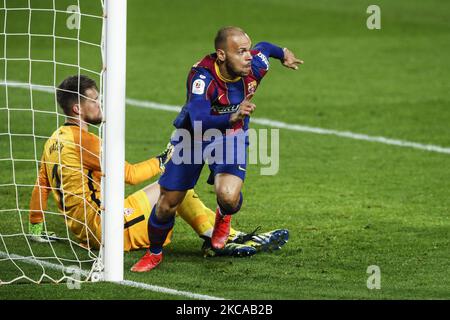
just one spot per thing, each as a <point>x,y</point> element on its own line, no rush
<point>148,262</point>
<point>221,230</point>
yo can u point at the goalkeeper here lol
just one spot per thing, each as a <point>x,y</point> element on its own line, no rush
<point>70,170</point>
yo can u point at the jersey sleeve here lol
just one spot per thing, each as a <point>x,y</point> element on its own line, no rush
<point>270,50</point>
<point>200,87</point>
<point>39,196</point>
<point>139,172</point>
<point>88,145</point>
<point>261,54</point>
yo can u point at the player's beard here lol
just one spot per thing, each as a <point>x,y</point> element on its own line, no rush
<point>233,72</point>
<point>95,120</point>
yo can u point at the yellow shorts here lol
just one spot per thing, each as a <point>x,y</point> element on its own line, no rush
<point>136,214</point>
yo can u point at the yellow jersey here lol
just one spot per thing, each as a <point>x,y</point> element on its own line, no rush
<point>70,169</point>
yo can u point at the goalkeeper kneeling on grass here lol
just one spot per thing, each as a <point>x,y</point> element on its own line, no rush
<point>70,170</point>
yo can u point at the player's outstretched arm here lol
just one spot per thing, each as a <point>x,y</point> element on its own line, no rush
<point>145,170</point>
<point>38,204</point>
<point>286,56</point>
<point>39,196</point>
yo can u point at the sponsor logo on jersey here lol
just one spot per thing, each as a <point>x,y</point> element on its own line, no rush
<point>198,87</point>
<point>225,109</point>
<point>264,59</point>
<point>251,87</point>
<point>128,212</point>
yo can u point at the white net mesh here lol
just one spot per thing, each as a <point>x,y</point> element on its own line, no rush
<point>42,43</point>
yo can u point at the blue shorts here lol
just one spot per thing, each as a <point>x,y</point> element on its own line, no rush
<point>224,155</point>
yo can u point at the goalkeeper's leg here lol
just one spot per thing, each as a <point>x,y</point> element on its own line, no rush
<point>201,219</point>
<point>192,210</point>
<point>198,216</point>
<point>138,207</point>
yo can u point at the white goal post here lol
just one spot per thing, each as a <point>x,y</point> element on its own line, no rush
<point>114,139</point>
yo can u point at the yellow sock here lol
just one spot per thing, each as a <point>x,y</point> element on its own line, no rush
<point>198,216</point>
<point>195,213</point>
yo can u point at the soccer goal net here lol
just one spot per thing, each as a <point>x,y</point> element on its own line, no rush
<point>42,43</point>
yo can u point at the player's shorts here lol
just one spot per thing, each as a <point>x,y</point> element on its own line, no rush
<point>136,214</point>
<point>84,222</point>
<point>226,155</point>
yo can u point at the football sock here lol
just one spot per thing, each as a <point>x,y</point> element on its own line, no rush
<point>196,214</point>
<point>158,231</point>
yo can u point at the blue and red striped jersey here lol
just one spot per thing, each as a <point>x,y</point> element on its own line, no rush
<point>212,99</point>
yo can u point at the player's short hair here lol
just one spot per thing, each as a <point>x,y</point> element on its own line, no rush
<point>220,41</point>
<point>71,89</point>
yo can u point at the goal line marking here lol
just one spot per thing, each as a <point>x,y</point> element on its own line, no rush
<point>128,283</point>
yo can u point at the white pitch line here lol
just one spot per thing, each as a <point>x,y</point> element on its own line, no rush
<point>128,283</point>
<point>267,122</point>
<point>150,287</point>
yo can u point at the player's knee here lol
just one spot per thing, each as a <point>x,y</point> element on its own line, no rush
<point>229,202</point>
<point>165,211</point>
<point>167,205</point>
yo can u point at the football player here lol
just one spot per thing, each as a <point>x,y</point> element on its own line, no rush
<point>219,90</point>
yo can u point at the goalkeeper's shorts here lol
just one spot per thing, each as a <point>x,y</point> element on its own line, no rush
<point>136,214</point>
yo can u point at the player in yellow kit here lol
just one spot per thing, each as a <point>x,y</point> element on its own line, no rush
<point>70,169</point>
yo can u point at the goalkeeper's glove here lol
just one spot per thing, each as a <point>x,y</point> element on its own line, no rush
<point>165,156</point>
<point>38,234</point>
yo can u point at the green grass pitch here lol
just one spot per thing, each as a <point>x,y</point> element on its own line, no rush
<point>348,204</point>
